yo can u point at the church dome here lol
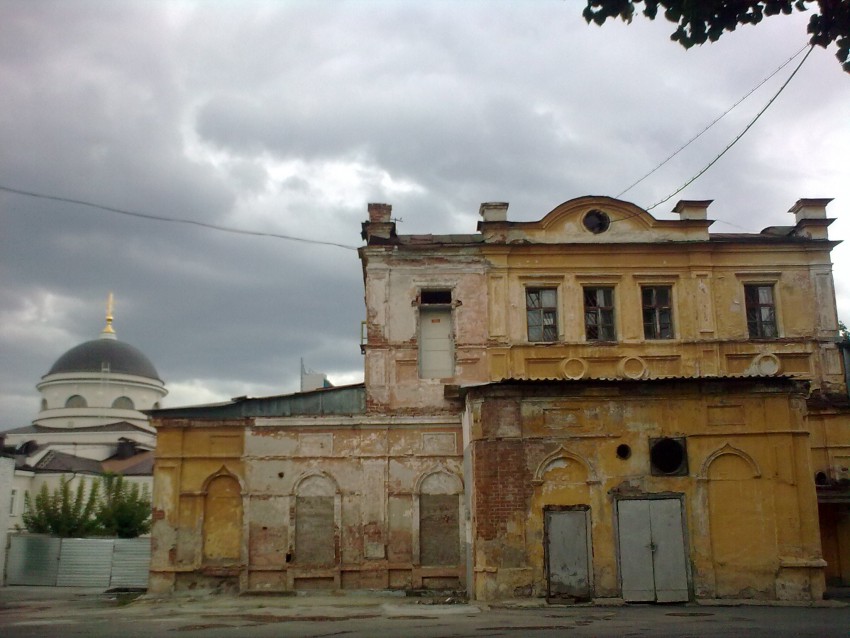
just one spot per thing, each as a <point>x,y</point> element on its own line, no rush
<point>105,355</point>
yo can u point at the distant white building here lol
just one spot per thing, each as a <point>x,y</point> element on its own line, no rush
<point>91,420</point>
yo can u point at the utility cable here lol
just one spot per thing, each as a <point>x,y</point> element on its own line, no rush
<point>715,121</point>
<point>740,135</point>
<point>160,218</point>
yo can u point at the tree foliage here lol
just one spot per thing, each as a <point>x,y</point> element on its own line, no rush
<point>122,510</point>
<point>125,509</point>
<point>706,20</point>
<point>60,512</point>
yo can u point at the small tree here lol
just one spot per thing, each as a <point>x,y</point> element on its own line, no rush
<point>60,513</point>
<point>125,509</point>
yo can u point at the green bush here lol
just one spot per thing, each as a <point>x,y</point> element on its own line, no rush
<point>123,510</point>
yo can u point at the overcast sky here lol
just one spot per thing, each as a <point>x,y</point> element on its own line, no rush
<point>289,117</point>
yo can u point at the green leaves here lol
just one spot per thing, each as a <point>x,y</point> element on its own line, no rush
<point>700,21</point>
<point>124,509</point>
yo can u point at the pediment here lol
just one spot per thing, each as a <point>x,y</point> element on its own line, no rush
<point>597,219</point>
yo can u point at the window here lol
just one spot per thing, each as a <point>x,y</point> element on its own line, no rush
<point>761,311</point>
<point>541,309</point>
<point>13,501</point>
<point>123,403</point>
<point>657,312</point>
<point>76,401</point>
<point>599,314</point>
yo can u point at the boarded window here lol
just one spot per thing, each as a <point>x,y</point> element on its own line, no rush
<point>439,531</point>
<point>222,521</point>
<point>314,530</point>
<point>436,344</point>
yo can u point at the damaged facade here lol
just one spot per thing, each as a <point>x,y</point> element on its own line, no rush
<point>596,404</point>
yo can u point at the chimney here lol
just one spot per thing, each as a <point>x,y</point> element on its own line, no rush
<point>810,215</point>
<point>494,211</point>
<point>380,229</point>
<point>380,213</point>
<point>809,209</point>
<point>692,209</point>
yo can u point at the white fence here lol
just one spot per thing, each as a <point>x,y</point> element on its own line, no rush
<point>34,559</point>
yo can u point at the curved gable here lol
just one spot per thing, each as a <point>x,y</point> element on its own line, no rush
<point>598,219</point>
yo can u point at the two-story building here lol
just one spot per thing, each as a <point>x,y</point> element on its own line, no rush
<point>598,404</point>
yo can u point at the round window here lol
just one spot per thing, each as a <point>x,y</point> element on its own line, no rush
<point>596,222</point>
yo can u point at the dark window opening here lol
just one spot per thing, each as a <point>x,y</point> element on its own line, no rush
<point>657,312</point>
<point>623,451</point>
<point>596,222</point>
<point>541,310</point>
<point>428,297</point>
<point>761,311</point>
<point>668,457</point>
<point>599,314</point>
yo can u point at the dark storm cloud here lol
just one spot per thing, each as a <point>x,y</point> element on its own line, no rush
<point>288,117</point>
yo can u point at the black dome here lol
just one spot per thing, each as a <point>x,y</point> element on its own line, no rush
<point>105,354</point>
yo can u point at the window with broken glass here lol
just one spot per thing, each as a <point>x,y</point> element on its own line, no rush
<point>599,314</point>
<point>541,309</point>
<point>761,311</point>
<point>657,312</point>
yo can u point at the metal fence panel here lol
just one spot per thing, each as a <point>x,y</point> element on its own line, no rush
<point>131,562</point>
<point>32,560</point>
<point>85,562</point>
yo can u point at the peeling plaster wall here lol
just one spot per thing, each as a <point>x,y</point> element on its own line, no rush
<point>750,508</point>
<point>348,488</point>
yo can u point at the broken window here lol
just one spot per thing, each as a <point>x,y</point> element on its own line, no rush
<point>599,314</point>
<point>657,312</point>
<point>761,311</point>
<point>541,310</point>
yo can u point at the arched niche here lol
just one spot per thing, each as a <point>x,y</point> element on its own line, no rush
<point>316,520</point>
<point>437,515</point>
<point>222,522</point>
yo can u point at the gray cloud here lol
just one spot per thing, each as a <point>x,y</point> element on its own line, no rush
<point>289,117</point>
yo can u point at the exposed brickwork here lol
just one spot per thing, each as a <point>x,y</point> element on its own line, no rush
<point>502,485</point>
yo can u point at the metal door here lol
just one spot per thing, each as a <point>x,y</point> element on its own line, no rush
<point>567,553</point>
<point>652,550</point>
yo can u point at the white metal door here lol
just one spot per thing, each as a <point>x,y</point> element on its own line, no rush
<point>567,554</point>
<point>436,349</point>
<point>652,550</point>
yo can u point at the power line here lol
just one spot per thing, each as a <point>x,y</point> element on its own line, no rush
<point>740,135</point>
<point>715,121</point>
<point>175,220</point>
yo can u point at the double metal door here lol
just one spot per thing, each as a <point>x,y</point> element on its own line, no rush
<point>652,550</point>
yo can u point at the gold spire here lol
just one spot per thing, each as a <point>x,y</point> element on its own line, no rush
<point>108,332</point>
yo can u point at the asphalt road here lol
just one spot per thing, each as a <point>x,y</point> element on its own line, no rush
<point>69,613</point>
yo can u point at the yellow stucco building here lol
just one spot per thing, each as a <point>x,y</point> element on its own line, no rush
<point>598,404</point>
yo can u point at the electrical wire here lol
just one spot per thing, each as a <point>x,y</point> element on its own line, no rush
<point>715,121</point>
<point>161,218</point>
<point>740,135</point>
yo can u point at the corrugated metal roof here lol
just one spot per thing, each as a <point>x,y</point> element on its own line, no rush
<point>341,400</point>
